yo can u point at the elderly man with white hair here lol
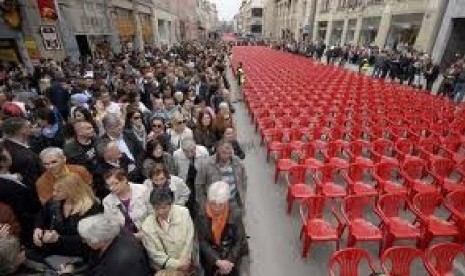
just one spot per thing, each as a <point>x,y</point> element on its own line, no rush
<point>119,252</point>
<point>54,162</point>
<point>221,232</point>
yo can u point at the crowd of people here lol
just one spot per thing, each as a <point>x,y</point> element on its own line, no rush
<point>127,165</point>
<point>400,64</point>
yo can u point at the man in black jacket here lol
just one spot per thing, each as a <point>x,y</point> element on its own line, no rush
<point>82,149</point>
<point>118,252</point>
<point>127,141</point>
<point>16,132</point>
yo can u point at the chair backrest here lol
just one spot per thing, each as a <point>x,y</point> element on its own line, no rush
<point>404,145</point>
<point>455,202</point>
<point>348,260</point>
<point>414,167</point>
<point>353,206</point>
<point>337,147</point>
<point>440,257</point>
<point>400,259</point>
<point>442,166</point>
<point>391,204</point>
<point>315,207</point>
<point>381,146</point>
<point>357,146</point>
<point>426,203</point>
<point>384,169</point>
<point>357,170</point>
<point>297,174</point>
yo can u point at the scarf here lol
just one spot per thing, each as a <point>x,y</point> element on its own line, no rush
<point>218,222</point>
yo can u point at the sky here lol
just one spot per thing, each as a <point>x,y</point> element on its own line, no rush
<point>227,8</point>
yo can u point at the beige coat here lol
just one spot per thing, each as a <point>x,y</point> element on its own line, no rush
<point>171,247</point>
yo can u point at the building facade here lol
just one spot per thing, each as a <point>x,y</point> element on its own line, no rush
<point>27,34</point>
<point>250,19</point>
<point>289,19</point>
<point>383,23</point>
<point>451,36</point>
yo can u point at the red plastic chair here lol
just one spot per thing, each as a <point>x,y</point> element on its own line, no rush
<point>327,183</point>
<point>348,260</point>
<point>384,172</point>
<point>400,259</point>
<point>356,176</point>
<point>384,150</point>
<point>424,206</point>
<point>354,210</point>
<point>297,187</point>
<point>339,149</point>
<point>360,151</point>
<point>415,171</point>
<point>284,161</point>
<point>315,228</point>
<point>440,258</point>
<point>442,168</point>
<point>455,203</point>
<point>394,226</point>
<point>317,150</point>
<point>404,147</point>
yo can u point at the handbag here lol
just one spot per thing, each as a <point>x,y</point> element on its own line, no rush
<point>174,272</point>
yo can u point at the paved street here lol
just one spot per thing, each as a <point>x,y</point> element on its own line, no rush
<point>274,243</point>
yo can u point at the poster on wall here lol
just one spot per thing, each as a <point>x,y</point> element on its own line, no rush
<point>50,38</point>
<point>47,10</point>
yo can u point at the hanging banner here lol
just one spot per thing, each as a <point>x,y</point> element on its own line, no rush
<point>32,50</point>
<point>47,10</point>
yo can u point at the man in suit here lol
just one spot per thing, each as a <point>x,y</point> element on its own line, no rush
<point>16,133</point>
<point>127,142</point>
<point>111,157</point>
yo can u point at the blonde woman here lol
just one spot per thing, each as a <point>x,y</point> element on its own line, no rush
<point>56,227</point>
<point>179,130</point>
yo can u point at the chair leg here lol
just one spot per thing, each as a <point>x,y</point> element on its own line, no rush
<point>350,240</point>
<point>290,201</point>
<point>424,241</point>
<point>276,175</point>
<point>307,245</point>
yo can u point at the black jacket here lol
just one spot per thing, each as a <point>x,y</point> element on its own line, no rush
<point>24,203</point>
<point>25,162</point>
<point>233,240</point>
<point>134,145</point>
<point>83,155</point>
<point>70,243</point>
<point>125,256</point>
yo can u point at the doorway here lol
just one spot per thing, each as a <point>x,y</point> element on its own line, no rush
<point>83,45</point>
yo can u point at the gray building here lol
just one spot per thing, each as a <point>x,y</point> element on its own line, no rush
<point>451,36</point>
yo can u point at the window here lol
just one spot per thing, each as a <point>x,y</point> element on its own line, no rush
<point>257,12</point>
<point>325,5</point>
<point>256,29</point>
